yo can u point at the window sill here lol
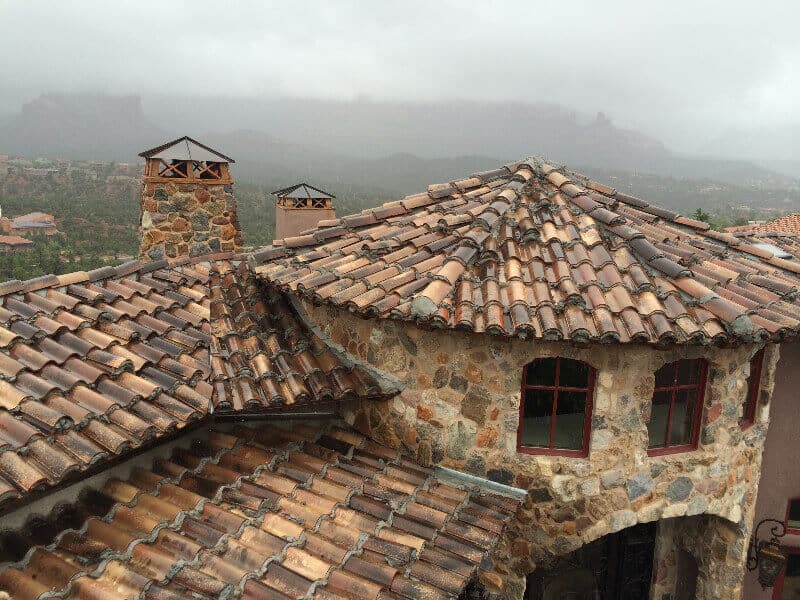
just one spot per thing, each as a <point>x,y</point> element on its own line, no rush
<point>552,452</point>
<point>670,450</point>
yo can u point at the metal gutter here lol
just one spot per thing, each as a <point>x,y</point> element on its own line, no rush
<point>458,477</point>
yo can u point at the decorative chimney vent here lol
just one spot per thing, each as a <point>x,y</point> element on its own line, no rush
<point>300,207</point>
<point>187,204</point>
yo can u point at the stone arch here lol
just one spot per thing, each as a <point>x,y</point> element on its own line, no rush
<point>598,569</point>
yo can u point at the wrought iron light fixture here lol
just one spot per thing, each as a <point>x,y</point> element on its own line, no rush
<point>767,554</point>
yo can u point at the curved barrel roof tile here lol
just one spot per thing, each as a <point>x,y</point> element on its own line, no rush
<point>277,513</point>
<point>94,366</point>
<point>531,250</point>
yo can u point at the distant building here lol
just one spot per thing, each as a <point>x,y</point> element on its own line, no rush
<point>40,172</point>
<point>10,243</point>
<point>29,224</point>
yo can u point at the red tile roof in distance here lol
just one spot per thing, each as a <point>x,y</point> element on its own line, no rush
<point>532,250</point>
<point>298,512</point>
<point>786,225</point>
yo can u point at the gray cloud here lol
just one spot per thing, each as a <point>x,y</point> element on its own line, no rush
<point>683,71</point>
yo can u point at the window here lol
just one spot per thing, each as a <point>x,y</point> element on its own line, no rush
<point>753,385</point>
<point>793,516</point>
<point>677,405</point>
<point>556,407</point>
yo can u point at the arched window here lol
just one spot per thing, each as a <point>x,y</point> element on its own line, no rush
<point>556,407</point>
<point>753,387</point>
<point>677,406</point>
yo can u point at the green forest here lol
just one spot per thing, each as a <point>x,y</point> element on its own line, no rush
<point>98,220</point>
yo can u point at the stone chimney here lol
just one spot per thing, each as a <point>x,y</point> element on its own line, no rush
<point>301,207</point>
<point>187,203</point>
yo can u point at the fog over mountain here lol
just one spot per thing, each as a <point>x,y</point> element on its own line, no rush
<point>388,146</point>
<point>713,78</point>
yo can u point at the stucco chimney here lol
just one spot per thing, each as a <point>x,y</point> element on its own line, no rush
<point>301,207</point>
<point>187,202</point>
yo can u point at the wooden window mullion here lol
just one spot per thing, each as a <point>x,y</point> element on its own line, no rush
<point>555,406</point>
<point>668,438</point>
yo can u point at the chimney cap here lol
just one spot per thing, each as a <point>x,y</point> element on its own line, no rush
<point>186,148</point>
<point>303,190</point>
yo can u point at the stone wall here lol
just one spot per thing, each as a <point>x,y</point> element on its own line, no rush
<point>460,408</point>
<point>718,548</point>
<point>186,219</point>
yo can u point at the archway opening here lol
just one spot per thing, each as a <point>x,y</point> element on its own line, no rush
<point>618,566</point>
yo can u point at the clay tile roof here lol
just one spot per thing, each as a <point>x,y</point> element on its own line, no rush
<point>14,240</point>
<point>265,354</point>
<point>532,250</point>
<point>290,512</point>
<point>95,365</point>
<point>786,225</point>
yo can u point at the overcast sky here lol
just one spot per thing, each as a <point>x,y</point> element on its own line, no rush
<point>680,70</point>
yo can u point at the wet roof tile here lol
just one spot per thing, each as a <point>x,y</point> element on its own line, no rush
<point>99,365</point>
<point>265,354</point>
<point>220,518</point>
<point>521,256</point>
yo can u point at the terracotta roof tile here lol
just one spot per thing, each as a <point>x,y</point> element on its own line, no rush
<point>516,251</point>
<point>264,353</point>
<point>225,517</point>
<point>99,364</point>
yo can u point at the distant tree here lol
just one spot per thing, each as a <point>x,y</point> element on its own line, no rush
<point>701,215</point>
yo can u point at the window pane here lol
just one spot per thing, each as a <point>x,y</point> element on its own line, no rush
<point>541,372</point>
<point>688,372</point>
<point>683,417</point>
<point>537,418</point>
<point>665,376</point>
<point>794,514</point>
<point>571,411</point>
<point>657,428</point>
<point>573,373</point>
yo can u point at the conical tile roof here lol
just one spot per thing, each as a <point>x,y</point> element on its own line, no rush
<point>531,250</point>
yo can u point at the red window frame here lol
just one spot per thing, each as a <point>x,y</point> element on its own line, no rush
<point>791,530</point>
<point>777,591</point>
<point>555,388</point>
<point>700,387</point>
<point>753,388</point>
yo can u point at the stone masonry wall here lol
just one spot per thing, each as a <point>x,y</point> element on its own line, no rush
<point>719,549</point>
<point>460,408</point>
<point>184,219</point>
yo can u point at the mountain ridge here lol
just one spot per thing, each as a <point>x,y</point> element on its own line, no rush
<point>385,146</point>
